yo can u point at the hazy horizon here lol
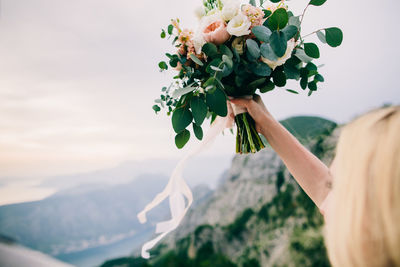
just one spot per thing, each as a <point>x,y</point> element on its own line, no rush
<point>78,79</point>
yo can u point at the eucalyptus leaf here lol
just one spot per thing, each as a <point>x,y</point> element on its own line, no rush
<point>163,65</point>
<point>261,69</point>
<point>181,118</point>
<point>226,51</point>
<point>170,29</point>
<point>267,52</point>
<point>334,36</point>
<point>321,37</point>
<point>196,60</point>
<point>304,82</point>
<point>253,48</point>
<point>311,50</point>
<point>228,61</point>
<point>279,19</point>
<point>198,132</point>
<point>279,78</point>
<point>268,87</point>
<point>216,68</point>
<point>256,84</point>
<point>312,86</point>
<point>317,2</point>
<point>295,21</point>
<point>156,108</point>
<point>262,33</point>
<point>199,109</point>
<point>182,138</point>
<point>300,54</point>
<point>319,78</point>
<point>216,101</point>
<point>290,31</point>
<point>278,43</point>
<point>292,91</point>
<point>210,50</point>
<point>183,91</point>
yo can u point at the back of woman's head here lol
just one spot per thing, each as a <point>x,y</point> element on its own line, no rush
<point>364,229</point>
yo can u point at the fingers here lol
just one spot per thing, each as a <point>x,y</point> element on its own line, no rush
<point>230,111</point>
<point>242,102</point>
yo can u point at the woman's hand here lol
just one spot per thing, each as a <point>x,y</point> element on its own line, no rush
<point>308,170</point>
<point>256,109</point>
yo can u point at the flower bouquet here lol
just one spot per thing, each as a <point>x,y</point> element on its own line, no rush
<point>236,50</point>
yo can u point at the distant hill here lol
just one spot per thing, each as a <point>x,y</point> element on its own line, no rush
<point>306,128</point>
<point>258,216</point>
<point>82,217</point>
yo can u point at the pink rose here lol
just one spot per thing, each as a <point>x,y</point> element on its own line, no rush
<point>216,32</point>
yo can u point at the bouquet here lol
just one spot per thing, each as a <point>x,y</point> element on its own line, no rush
<point>236,50</point>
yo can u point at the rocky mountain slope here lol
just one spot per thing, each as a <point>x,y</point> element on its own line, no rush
<point>257,217</point>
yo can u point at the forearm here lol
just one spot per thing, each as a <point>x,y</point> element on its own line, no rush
<point>311,173</point>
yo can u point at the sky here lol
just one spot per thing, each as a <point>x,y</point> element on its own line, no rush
<point>78,79</point>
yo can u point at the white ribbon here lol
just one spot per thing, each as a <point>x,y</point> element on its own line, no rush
<point>177,189</point>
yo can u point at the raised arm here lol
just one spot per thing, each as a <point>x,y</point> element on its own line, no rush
<point>311,173</point>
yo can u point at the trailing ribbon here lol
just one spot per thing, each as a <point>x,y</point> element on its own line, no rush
<point>177,189</point>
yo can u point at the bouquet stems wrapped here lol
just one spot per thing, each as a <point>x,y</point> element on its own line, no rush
<point>247,138</point>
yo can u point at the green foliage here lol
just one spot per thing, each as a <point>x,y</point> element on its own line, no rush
<point>210,50</point>
<point>311,50</point>
<point>267,52</point>
<point>251,263</point>
<point>278,43</point>
<point>307,248</point>
<point>278,20</point>
<point>163,65</point>
<point>127,262</point>
<point>216,101</point>
<point>239,225</point>
<point>156,108</point>
<point>334,36</point>
<point>182,138</point>
<point>262,33</point>
<point>253,48</point>
<point>317,2</point>
<point>198,131</point>
<point>196,60</point>
<point>290,31</point>
<point>181,118</point>
<point>199,109</point>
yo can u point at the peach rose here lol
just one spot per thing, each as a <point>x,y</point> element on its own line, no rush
<point>216,32</point>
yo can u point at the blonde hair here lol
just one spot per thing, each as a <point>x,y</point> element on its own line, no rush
<point>364,226</point>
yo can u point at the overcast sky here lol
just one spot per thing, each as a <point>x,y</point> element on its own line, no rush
<point>78,78</point>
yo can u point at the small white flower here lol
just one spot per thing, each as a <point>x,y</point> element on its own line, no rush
<point>239,25</point>
<point>230,9</point>
<point>280,61</point>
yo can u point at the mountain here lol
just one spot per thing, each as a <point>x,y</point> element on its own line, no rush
<point>89,223</point>
<point>258,216</point>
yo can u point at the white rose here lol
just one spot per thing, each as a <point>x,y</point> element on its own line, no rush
<point>200,12</point>
<point>239,25</point>
<point>280,61</point>
<point>198,41</point>
<point>230,9</point>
